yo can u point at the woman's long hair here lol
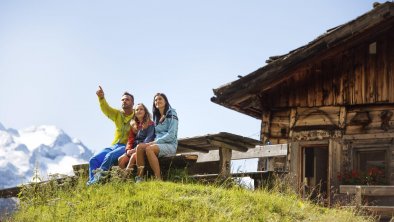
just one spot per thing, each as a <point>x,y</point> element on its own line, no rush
<point>146,120</point>
<point>156,112</point>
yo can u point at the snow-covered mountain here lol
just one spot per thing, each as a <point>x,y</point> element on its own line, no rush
<point>46,148</point>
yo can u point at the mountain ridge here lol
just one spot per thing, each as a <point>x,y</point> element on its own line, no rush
<point>45,147</point>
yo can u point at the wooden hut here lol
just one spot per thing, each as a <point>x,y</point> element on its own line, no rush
<point>331,101</point>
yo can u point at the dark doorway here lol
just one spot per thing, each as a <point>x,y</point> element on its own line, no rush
<point>315,172</point>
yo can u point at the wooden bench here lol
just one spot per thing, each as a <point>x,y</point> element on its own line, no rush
<point>216,163</point>
<point>14,191</point>
<point>177,161</point>
<point>214,153</point>
<point>362,191</point>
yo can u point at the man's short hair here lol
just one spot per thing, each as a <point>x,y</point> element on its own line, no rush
<point>128,94</point>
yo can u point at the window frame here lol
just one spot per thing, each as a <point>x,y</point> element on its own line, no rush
<point>371,148</point>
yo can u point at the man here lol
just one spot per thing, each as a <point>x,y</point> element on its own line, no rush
<point>109,156</point>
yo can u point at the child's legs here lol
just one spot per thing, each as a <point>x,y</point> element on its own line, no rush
<point>132,161</point>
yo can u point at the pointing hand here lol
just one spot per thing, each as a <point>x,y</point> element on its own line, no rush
<point>100,92</point>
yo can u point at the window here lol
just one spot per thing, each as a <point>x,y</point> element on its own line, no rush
<point>371,159</point>
<point>372,163</point>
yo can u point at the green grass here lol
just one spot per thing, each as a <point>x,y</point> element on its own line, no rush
<point>167,201</point>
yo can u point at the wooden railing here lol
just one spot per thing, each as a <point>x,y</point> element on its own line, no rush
<point>360,191</point>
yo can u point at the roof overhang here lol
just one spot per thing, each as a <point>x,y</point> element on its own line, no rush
<point>244,94</point>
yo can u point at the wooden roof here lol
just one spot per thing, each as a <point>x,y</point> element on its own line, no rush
<point>210,142</point>
<point>243,95</point>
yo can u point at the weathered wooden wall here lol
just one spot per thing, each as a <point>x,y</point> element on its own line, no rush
<point>347,98</point>
<point>353,77</point>
<point>369,124</point>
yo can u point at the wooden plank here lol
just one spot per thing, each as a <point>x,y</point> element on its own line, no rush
<point>222,143</point>
<point>320,120</point>
<point>254,174</point>
<point>372,107</point>
<point>386,211</point>
<point>224,136</point>
<point>372,128</point>
<point>346,79</point>
<point>10,192</point>
<point>187,148</point>
<point>359,74</point>
<point>327,86</point>
<point>257,152</point>
<point>14,191</point>
<point>213,155</point>
<point>269,150</point>
<point>390,66</point>
<point>340,80</point>
<point>368,136</point>
<point>382,55</point>
<point>368,190</point>
<point>371,80</point>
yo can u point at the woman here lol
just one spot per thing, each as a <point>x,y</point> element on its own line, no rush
<point>142,132</point>
<point>166,141</point>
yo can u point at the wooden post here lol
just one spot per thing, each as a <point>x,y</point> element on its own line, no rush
<point>266,126</point>
<point>81,170</point>
<point>342,117</point>
<point>225,162</point>
<point>358,196</point>
<point>292,121</point>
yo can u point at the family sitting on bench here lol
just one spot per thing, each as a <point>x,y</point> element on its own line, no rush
<point>145,138</point>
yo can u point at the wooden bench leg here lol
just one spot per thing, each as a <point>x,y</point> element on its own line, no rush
<point>225,162</point>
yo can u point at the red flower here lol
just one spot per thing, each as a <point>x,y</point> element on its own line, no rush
<point>339,177</point>
<point>374,171</point>
<point>354,174</point>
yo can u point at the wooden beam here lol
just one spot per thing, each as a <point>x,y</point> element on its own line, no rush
<point>196,148</point>
<point>10,192</point>
<point>368,136</point>
<point>368,190</point>
<point>229,145</point>
<point>232,137</point>
<point>14,191</point>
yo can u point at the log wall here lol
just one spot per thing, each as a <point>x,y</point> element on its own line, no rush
<point>356,76</point>
<point>361,126</point>
<point>347,98</point>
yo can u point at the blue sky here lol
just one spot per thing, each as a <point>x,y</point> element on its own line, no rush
<point>54,54</point>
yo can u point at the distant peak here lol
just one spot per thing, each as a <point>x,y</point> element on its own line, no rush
<point>2,128</point>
